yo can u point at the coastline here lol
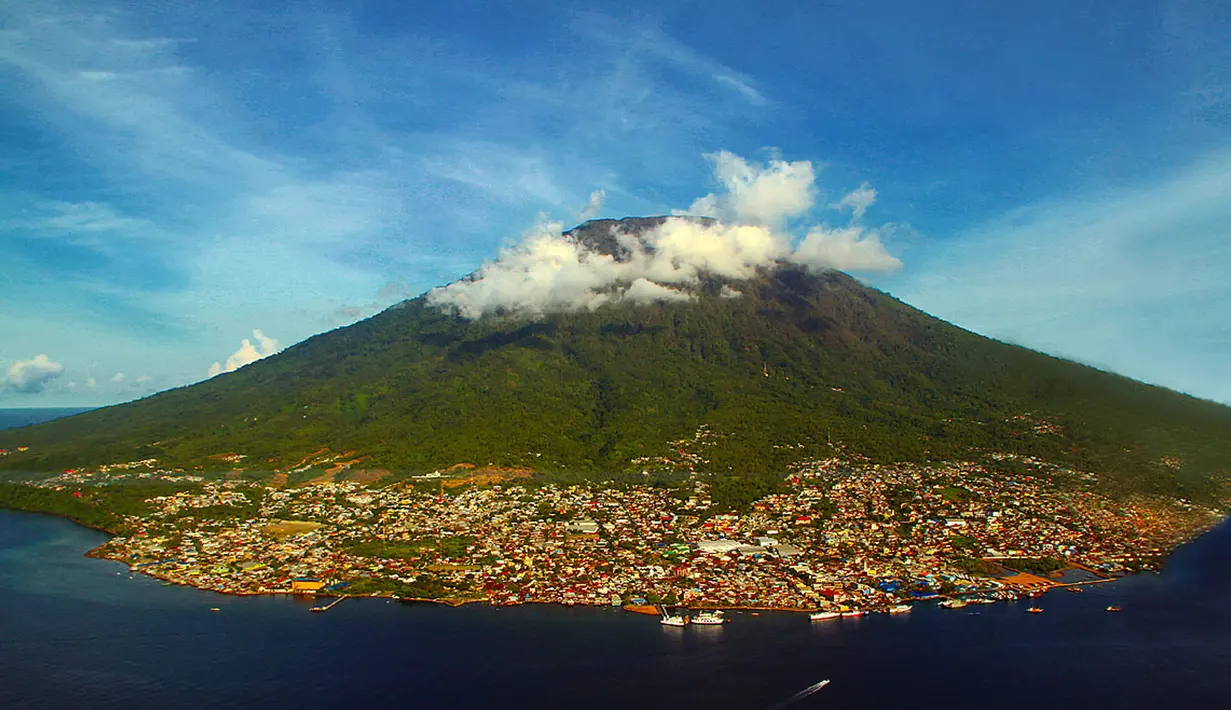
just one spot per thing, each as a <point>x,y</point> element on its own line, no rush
<point>95,553</point>
<point>99,552</point>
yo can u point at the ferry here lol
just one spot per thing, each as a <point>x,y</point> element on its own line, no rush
<point>709,618</point>
<point>899,609</point>
<point>674,620</point>
<point>823,615</point>
<point>953,603</point>
<point>1034,610</point>
<point>1113,607</point>
<point>852,614</point>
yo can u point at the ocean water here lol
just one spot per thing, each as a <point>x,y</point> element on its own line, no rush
<point>79,632</point>
<point>13,418</point>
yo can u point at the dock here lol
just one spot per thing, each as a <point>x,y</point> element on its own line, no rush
<point>326,607</point>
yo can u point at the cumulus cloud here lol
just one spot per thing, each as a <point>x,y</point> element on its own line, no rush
<point>846,249</point>
<point>858,201</point>
<point>117,377</point>
<point>728,292</point>
<point>32,376</point>
<point>247,353</point>
<point>753,194</point>
<point>593,205</point>
<point>645,291</point>
<point>549,271</point>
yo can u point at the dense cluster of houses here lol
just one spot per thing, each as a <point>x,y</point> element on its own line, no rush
<point>840,534</point>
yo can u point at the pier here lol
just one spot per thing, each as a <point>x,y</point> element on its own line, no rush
<point>326,607</point>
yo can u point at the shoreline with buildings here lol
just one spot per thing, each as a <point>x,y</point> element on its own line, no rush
<point>839,536</point>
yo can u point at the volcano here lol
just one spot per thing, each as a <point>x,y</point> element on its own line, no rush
<point>785,364</point>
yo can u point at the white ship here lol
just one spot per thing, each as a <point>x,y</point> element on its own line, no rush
<point>671,619</point>
<point>823,615</point>
<point>852,614</point>
<point>899,609</point>
<point>709,618</point>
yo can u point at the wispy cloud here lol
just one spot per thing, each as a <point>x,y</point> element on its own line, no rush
<point>1133,280</point>
<point>647,41</point>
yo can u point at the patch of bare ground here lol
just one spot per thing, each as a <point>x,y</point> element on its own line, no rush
<point>288,528</point>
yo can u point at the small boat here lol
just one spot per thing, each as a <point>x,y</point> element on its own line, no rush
<point>709,618</point>
<point>823,615</point>
<point>899,609</point>
<point>1034,610</point>
<point>1113,607</point>
<point>953,603</point>
<point>214,608</point>
<point>1075,590</point>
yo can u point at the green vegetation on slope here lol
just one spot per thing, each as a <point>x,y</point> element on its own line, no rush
<point>97,507</point>
<point>818,361</point>
<point>69,504</point>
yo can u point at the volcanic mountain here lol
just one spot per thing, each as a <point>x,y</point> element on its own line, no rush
<point>798,364</point>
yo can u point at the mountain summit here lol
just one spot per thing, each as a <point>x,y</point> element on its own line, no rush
<point>783,363</point>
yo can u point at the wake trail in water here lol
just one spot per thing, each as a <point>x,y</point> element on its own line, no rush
<point>800,695</point>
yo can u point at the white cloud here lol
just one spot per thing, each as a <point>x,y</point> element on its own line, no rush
<point>745,89</point>
<point>858,201</point>
<point>247,353</point>
<point>549,272</point>
<point>32,376</point>
<point>1131,280</point>
<point>91,383</point>
<point>753,194</point>
<point>593,205</point>
<point>117,377</point>
<point>645,291</point>
<point>643,40</point>
<point>846,249</point>
<point>728,292</point>
<point>544,272</point>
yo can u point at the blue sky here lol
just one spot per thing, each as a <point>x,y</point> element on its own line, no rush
<point>174,178</point>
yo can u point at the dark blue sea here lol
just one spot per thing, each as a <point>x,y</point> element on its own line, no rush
<point>82,633</point>
<point>13,418</point>
<point>79,632</point>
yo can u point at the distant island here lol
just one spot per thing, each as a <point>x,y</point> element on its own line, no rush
<point>787,439</point>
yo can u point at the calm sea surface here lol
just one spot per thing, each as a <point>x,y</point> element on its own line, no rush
<point>78,632</point>
<point>82,633</point>
<point>12,418</point>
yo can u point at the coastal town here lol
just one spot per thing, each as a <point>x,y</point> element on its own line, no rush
<point>839,534</point>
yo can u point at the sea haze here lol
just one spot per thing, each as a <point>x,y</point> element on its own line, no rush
<point>80,632</point>
<point>14,418</point>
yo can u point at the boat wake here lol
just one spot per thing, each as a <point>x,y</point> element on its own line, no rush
<point>801,694</point>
